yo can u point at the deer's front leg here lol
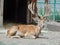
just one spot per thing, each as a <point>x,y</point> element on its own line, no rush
<point>21,35</point>
<point>30,36</point>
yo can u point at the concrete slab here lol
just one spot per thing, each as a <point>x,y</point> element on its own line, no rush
<point>50,38</point>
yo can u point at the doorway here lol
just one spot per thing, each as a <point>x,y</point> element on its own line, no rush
<point>15,11</point>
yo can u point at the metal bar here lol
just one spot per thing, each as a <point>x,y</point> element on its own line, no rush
<point>48,3</point>
<point>54,10</point>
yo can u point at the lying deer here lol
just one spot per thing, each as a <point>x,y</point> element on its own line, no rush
<point>32,31</point>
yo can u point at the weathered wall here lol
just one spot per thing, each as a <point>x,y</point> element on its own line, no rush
<point>1,13</point>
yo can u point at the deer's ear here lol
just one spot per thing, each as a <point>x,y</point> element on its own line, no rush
<point>39,17</point>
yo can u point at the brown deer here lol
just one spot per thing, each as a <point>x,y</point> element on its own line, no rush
<point>22,30</point>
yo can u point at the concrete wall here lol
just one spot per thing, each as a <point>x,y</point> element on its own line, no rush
<point>1,13</point>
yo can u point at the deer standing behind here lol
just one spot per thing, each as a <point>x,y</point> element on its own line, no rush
<point>32,31</point>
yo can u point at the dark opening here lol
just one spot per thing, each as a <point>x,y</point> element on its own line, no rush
<point>15,11</point>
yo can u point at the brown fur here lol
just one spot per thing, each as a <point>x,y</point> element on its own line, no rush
<point>26,30</point>
<point>12,31</point>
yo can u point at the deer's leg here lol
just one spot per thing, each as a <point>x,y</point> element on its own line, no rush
<point>15,37</point>
<point>30,36</point>
<point>21,35</point>
<point>37,36</point>
<point>10,34</point>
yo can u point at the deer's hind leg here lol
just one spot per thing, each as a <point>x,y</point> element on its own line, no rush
<point>11,33</point>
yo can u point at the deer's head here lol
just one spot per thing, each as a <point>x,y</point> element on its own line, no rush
<point>40,20</point>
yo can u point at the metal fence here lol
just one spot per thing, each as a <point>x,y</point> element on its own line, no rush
<point>54,9</point>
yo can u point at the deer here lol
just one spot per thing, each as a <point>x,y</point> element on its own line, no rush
<point>23,30</point>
